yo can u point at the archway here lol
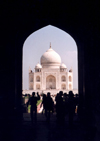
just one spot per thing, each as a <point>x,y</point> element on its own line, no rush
<point>50,82</point>
<point>38,78</point>
<point>70,87</point>
<point>70,79</point>
<point>68,54</point>
<point>63,78</point>
<point>37,87</point>
<point>81,82</point>
<point>63,86</point>
<point>81,26</point>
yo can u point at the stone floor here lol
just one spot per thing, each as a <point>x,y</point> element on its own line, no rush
<point>52,131</point>
<point>48,131</point>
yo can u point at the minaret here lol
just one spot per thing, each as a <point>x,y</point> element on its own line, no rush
<point>30,79</point>
<point>70,79</point>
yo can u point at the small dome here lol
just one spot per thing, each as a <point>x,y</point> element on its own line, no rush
<point>63,65</point>
<point>38,66</point>
<point>50,58</point>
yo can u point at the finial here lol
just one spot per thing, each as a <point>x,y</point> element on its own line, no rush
<point>50,44</point>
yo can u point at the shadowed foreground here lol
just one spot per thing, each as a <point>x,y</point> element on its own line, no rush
<point>48,131</point>
<point>52,131</point>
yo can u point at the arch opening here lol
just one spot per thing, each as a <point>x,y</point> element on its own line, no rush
<point>63,86</point>
<point>70,87</point>
<point>37,87</point>
<point>67,55</point>
<point>38,78</point>
<point>63,78</point>
<point>50,82</point>
<point>70,78</point>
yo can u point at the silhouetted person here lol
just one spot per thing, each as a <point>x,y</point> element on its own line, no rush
<point>49,106</point>
<point>60,107</point>
<point>33,101</point>
<point>71,108</point>
<point>65,101</point>
<point>57,103</point>
<point>76,102</point>
<point>44,103</point>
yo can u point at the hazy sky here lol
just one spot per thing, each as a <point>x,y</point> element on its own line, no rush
<point>39,42</point>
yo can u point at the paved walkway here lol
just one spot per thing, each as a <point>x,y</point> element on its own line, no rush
<point>43,131</point>
<point>52,131</point>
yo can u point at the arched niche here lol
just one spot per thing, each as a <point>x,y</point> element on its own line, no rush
<point>70,86</point>
<point>31,78</point>
<point>38,87</point>
<point>63,78</point>
<point>70,78</point>
<point>31,87</point>
<point>38,78</point>
<point>50,82</point>
<point>63,86</point>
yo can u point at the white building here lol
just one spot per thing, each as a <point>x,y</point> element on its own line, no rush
<point>50,75</point>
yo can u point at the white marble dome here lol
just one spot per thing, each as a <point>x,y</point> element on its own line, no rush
<point>63,65</point>
<point>50,59</point>
<point>38,66</point>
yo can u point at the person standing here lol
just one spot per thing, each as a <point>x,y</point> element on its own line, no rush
<point>71,108</point>
<point>33,101</point>
<point>49,106</point>
<point>60,107</point>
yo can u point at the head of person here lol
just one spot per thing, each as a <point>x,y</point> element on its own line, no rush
<point>65,94</point>
<point>70,94</point>
<point>48,94</point>
<point>44,96</point>
<point>76,95</point>
<point>61,93</point>
<point>33,94</point>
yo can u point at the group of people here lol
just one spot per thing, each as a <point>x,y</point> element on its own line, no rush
<point>48,105</point>
<point>33,102</point>
<point>65,104</point>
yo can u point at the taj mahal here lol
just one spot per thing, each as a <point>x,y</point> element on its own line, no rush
<point>50,75</point>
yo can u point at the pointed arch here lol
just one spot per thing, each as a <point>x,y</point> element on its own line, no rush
<point>50,82</point>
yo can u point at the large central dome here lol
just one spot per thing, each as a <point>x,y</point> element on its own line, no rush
<point>50,59</point>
